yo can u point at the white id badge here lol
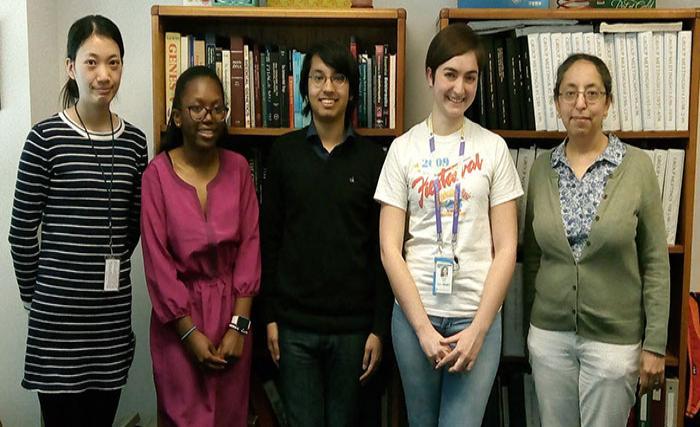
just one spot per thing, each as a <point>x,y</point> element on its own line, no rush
<point>442,275</point>
<point>111,274</point>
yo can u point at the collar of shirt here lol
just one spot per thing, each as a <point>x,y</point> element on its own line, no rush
<point>313,138</point>
<point>612,154</point>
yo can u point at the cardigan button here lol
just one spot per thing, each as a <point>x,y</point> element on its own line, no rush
<point>597,218</point>
<point>588,243</point>
<point>605,196</point>
<point>574,287</point>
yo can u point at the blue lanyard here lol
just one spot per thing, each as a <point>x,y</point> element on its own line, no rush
<point>436,192</point>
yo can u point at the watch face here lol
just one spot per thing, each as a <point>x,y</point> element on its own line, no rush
<point>243,323</point>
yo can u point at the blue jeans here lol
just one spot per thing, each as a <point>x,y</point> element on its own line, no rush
<point>320,377</point>
<point>438,397</point>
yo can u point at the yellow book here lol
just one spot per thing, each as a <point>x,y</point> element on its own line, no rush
<point>172,69</point>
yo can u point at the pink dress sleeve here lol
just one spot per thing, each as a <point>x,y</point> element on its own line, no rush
<point>169,296</point>
<point>246,271</point>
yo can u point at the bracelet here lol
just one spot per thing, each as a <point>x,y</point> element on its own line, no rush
<point>188,333</point>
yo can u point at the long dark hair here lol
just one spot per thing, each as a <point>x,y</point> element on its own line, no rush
<point>81,30</point>
<point>173,134</point>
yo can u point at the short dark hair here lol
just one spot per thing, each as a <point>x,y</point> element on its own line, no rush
<point>81,30</point>
<point>597,62</point>
<point>338,57</point>
<point>454,40</point>
<point>173,134</point>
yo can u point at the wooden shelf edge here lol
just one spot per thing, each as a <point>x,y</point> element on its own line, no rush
<point>581,14</point>
<point>533,134</point>
<point>676,249</point>
<point>393,133</point>
<point>273,12</point>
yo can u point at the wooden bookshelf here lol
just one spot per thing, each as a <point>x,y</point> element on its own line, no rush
<point>297,29</point>
<point>681,253</point>
<point>294,28</point>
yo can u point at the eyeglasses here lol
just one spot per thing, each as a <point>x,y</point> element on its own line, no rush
<point>318,79</point>
<point>198,113</point>
<point>591,95</point>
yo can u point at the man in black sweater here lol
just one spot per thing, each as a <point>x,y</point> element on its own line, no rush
<point>327,302</point>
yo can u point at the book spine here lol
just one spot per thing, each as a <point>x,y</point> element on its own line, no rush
<point>199,53</point>
<point>670,62</point>
<point>490,75</point>
<point>226,79</point>
<point>385,87</point>
<point>218,53</point>
<point>612,122</point>
<point>246,86</point>
<point>646,75</point>
<point>237,83</point>
<point>673,181</point>
<point>257,86</point>
<point>502,100</point>
<point>378,78</point>
<point>660,160</point>
<point>577,42</point>
<point>284,90</point>
<point>657,42</point>
<point>557,59</point>
<point>276,86</point>
<point>514,79</point>
<point>634,91</point>
<point>548,80</point>
<point>623,81</point>
<point>683,79</point>
<point>265,114</point>
<point>536,82</point>
<point>362,101</point>
<point>184,53</point>
<point>392,91</point>
<point>172,69</point>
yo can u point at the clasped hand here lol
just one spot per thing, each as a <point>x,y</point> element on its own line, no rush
<point>458,352</point>
<point>206,355</point>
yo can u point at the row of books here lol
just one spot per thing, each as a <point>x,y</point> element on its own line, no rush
<point>261,81</point>
<point>649,66</point>
<point>668,166</point>
<point>656,409</point>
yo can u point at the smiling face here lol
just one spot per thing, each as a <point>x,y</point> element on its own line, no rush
<point>97,70</point>
<point>204,133</point>
<point>329,100</point>
<point>454,85</point>
<point>581,117</point>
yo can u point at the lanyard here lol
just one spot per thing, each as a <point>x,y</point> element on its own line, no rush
<point>436,191</point>
<point>104,176</point>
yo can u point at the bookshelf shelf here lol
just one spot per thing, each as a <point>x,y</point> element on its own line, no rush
<point>676,358</point>
<point>293,29</point>
<point>529,134</point>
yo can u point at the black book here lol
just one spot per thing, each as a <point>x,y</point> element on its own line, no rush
<point>490,84</point>
<point>515,100</point>
<point>501,84</point>
<point>276,87</point>
<point>528,112</point>
<point>267,96</point>
<point>284,87</point>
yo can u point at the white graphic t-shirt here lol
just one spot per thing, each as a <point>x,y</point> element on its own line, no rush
<point>488,178</point>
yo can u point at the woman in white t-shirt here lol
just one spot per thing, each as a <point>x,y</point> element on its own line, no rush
<point>449,277</point>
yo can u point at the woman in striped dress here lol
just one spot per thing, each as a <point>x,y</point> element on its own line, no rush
<point>79,179</point>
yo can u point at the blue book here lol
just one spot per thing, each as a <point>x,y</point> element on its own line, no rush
<point>296,73</point>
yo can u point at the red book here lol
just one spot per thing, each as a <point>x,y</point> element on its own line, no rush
<point>257,94</point>
<point>237,83</point>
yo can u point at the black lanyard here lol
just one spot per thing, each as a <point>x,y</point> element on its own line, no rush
<point>104,176</point>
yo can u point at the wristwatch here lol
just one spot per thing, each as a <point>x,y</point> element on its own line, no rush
<point>240,324</point>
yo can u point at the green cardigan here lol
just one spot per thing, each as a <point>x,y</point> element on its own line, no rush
<point>618,292</point>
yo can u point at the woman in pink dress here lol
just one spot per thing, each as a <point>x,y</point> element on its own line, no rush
<point>199,225</point>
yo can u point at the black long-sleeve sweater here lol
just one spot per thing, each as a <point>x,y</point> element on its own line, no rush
<point>320,237</point>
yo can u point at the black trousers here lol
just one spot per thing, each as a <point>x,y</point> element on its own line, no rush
<point>91,408</point>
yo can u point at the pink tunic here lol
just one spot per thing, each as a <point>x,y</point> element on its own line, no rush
<point>198,266</point>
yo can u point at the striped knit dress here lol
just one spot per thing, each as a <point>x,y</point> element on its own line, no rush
<point>79,335</point>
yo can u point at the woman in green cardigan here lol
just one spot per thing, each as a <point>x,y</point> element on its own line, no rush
<point>596,262</point>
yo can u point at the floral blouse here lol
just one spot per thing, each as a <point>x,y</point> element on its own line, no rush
<point>579,199</point>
